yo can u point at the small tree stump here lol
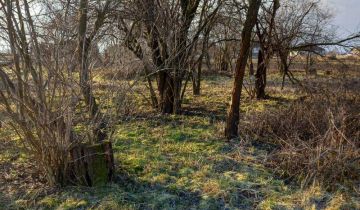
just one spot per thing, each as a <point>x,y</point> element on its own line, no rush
<point>91,165</point>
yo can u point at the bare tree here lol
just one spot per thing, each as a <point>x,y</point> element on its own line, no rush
<point>298,24</point>
<point>198,63</point>
<point>171,40</point>
<point>265,28</point>
<point>232,121</point>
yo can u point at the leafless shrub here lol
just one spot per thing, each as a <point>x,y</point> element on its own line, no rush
<point>40,97</point>
<point>123,101</point>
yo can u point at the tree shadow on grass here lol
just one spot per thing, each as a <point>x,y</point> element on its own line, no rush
<point>212,115</point>
<point>5,202</point>
<point>126,193</point>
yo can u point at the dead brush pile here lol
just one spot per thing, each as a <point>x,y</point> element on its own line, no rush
<point>317,138</point>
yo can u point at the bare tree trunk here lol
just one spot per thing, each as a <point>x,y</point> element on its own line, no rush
<point>169,80</point>
<point>34,39</point>
<point>177,93</point>
<point>285,67</point>
<point>154,100</point>
<point>204,51</point>
<point>84,47</point>
<point>251,65</point>
<point>266,52</point>
<point>170,68</point>
<point>231,129</point>
<point>100,124</point>
<point>165,82</point>
<point>310,69</point>
<point>11,34</point>
<point>260,81</point>
<point>188,9</point>
<point>224,60</point>
<point>166,88</point>
<point>208,61</point>
<point>197,77</point>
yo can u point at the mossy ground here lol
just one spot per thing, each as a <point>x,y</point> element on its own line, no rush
<point>178,162</point>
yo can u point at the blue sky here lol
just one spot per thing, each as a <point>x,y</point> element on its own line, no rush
<point>347,15</point>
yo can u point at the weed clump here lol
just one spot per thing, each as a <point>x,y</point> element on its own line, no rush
<point>314,140</point>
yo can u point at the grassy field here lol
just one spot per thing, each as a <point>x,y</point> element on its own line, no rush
<point>175,162</point>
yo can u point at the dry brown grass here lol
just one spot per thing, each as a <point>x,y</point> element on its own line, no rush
<point>316,138</point>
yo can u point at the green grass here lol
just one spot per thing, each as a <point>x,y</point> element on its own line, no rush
<point>183,162</point>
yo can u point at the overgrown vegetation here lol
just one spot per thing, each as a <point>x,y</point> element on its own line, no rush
<point>130,105</point>
<point>316,137</point>
<point>182,162</point>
